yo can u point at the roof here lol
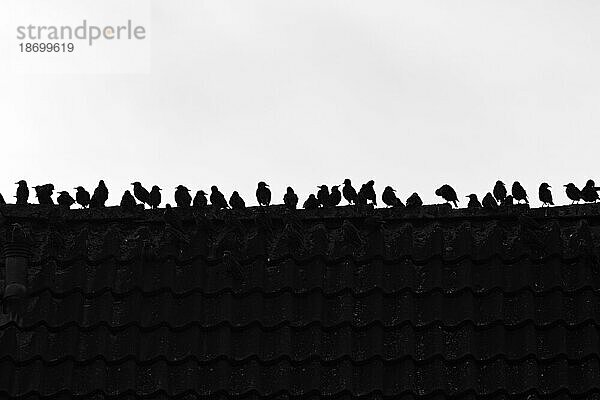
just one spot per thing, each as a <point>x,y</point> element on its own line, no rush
<point>267,303</point>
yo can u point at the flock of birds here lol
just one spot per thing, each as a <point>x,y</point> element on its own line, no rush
<point>324,197</point>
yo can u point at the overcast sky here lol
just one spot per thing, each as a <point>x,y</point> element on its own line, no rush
<point>301,93</point>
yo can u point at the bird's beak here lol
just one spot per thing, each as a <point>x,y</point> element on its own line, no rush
<point>393,190</point>
<point>266,185</point>
<point>549,186</point>
<point>565,185</point>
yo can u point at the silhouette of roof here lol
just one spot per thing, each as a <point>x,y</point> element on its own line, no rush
<point>270,303</point>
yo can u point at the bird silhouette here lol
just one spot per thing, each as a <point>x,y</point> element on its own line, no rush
<point>508,201</point>
<point>100,195</point>
<point>473,201</point>
<point>44,193</point>
<point>127,201</point>
<point>367,191</point>
<point>290,199</point>
<point>545,194</point>
<point>573,193</point>
<point>64,199</point>
<point>236,202</point>
<point>22,192</point>
<point>154,197</point>
<point>323,195</point>
<point>263,194</point>
<point>182,196</point>
<point>448,194</point>
<point>500,191</point>
<point>140,193</point>
<point>200,199</point>
<point>389,197</point>
<point>311,203</point>
<point>414,201</point>
<point>82,197</point>
<point>349,192</point>
<point>489,202</point>
<point>518,192</point>
<point>335,197</point>
<point>2,201</point>
<point>217,199</point>
<point>589,193</point>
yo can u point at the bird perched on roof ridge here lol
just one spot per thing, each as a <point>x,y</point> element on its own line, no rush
<point>182,196</point>
<point>508,201</point>
<point>217,199</point>
<point>44,193</point>
<point>127,200</point>
<point>154,197</point>
<point>236,202</point>
<point>473,201</point>
<point>335,196</point>
<point>2,201</point>
<point>589,193</point>
<point>200,199</point>
<point>22,192</point>
<point>64,199</point>
<point>100,195</point>
<point>414,201</point>
<point>349,192</point>
<point>545,194</point>
<point>140,193</point>
<point>447,193</point>
<point>263,194</point>
<point>573,193</point>
<point>500,191</point>
<point>290,199</point>
<point>323,195</point>
<point>518,192</point>
<point>368,192</point>
<point>82,197</point>
<point>489,202</point>
<point>389,197</point>
<point>311,203</point>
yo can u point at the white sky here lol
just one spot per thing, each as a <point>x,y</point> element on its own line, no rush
<point>308,92</point>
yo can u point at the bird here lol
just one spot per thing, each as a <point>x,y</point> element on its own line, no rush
<point>414,201</point>
<point>217,199</point>
<point>448,194</point>
<point>500,191</point>
<point>389,197</point>
<point>2,202</point>
<point>290,199</point>
<point>545,194</point>
<point>311,203</point>
<point>236,202</point>
<point>263,194</point>
<point>518,192</point>
<point>99,196</point>
<point>473,201</point>
<point>65,199</point>
<point>589,193</point>
<point>573,193</point>
<point>127,201</point>
<point>508,201</point>
<point>335,197</point>
<point>44,193</point>
<point>82,196</point>
<point>489,202</point>
<point>349,192</point>
<point>323,195</point>
<point>22,192</point>
<point>182,196</point>
<point>154,197</point>
<point>368,192</point>
<point>140,193</point>
<point>200,199</point>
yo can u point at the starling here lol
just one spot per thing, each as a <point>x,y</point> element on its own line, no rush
<point>323,195</point>
<point>414,201</point>
<point>589,193</point>
<point>545,194</point>
<point>263,194</point>
<point>217,199</point>
<point>508,201</point>
<point>473,201</point>
<point>64,199</point>
<point>519,193</point>
<point>2,202</point>
<point>44,193</point>
<point>311,203</point>
<point>448,194</point>
<point>236,202</point>
<point>82,196</point>
<point>154,197</point>
<point>389,197</point>
<point>200,199</point>
<point>335,197</point>
<point>140,193</point>
<point>489,202</point>
<point>22,192</point>
<point>367,192</point>
<point>500,191</point>
<point>573,192</point>
<point>100,195</point>
<point>127,201</point>
<point>182,196</point>
<point>349,192</point>
<point>290,199</point>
